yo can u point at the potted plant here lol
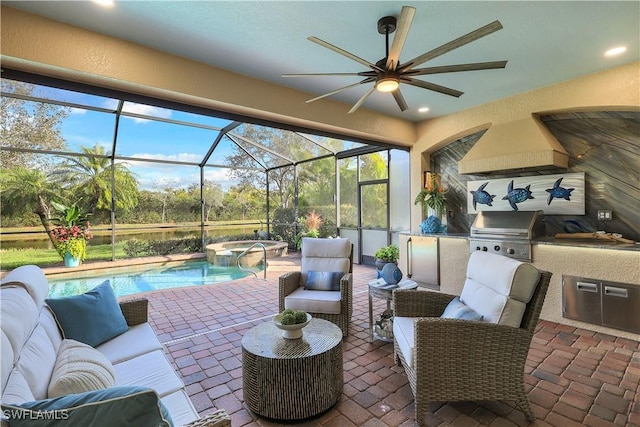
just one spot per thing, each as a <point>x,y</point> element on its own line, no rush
<point>312,223</point>
<point>432,197</point>
<point>385,255</point>
<point>71,233</point>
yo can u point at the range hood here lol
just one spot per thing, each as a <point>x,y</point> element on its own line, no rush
<point>524,144</point>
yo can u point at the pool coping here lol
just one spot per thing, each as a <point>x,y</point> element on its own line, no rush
<point>57,271</point>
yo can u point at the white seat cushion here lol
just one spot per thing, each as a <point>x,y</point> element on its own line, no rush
<point>139,339</point>
<point>404,333</point>
<point>498,287</point>
<point>326,302</point>
<point>151,370</point>
<point>180,407</point>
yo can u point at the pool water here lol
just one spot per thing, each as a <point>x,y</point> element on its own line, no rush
<point>192,273</point>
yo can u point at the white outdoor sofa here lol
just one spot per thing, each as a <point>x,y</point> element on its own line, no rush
<point>30,343</point>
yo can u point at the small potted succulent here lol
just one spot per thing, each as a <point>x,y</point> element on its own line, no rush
<point>291,323</point>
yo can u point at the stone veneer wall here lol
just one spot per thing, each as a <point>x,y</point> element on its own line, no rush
<point>609,146</point>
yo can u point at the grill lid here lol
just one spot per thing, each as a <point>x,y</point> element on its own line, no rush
<point>511,225</point>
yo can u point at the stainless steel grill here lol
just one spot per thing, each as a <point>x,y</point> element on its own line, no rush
<point>506,233</point>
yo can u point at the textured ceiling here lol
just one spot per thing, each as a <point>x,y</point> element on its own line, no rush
<point>545,42</point>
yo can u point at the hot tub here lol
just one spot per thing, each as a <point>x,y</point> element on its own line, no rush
<point>226,253</point>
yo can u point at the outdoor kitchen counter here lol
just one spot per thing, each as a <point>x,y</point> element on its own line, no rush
<point>596,260</point>
<point>587,243</point>
<point>584,243</point>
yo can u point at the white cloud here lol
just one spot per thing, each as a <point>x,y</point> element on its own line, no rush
<point>179,157</point>
<point>77,111</point>
<point>143,109</point>
<point>152,176</point>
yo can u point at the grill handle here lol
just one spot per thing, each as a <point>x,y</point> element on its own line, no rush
<point>409,258</point>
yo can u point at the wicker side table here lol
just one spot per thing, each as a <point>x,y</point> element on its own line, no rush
<point>292,379</point>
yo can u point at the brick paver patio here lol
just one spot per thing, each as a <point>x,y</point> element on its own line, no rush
<point>576,377</point>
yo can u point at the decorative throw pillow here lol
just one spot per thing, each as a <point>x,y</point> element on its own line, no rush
<point>323,280</point>
<point>92,318</point>
<point>458,310</point>
<point>115,406</point>
<point>80,368</point>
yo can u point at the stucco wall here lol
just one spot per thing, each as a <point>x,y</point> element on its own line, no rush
<point>43,46</point>
<point>598,264</point>
<point>617,88</point>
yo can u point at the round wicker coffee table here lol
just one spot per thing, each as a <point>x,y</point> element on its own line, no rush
<point>292,379</point>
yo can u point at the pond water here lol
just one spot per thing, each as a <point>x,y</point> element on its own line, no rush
<point>40,240</point>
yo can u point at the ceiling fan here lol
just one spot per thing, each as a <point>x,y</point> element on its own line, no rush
<point>387,74</point>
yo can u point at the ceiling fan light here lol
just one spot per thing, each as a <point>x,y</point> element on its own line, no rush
<point>388,84</point>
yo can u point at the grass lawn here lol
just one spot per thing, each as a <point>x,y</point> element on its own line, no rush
<point>12,258</point>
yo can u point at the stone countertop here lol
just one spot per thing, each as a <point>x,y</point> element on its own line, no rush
<point>576,243</point>
<point>441,235</point>
<point>588,243</point>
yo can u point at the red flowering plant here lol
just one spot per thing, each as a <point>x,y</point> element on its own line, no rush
<point>72,231</point>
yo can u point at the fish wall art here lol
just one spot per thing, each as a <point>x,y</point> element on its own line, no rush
<point>554,194</point>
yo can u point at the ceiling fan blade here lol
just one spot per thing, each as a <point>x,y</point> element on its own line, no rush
<point>320,74</point>
<point>400,100</point>
<point>454,44</point>
<point>402,30</point>
<point>361,100</point>
<point>460,67</point>
<point>344,53</point>
<point>340,90</point>
<point>434,87</point>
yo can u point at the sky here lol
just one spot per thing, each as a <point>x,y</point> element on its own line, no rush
<point>145,139</point>
<point>144,133</point>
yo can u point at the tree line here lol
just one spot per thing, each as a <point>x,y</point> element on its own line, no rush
<point>30,181</point>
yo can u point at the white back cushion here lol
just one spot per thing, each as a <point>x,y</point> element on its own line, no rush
<point>37,358</point>
<point>498,287</point>
<point>325,255</point>
<point>30,336</point>
<point>19,316</point>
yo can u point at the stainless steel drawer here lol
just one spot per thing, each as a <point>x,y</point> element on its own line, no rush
<point>621,306</point>
<point>581,299</point>
<point>611,304</point>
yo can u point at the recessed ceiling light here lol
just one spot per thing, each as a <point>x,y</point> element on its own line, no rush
<point>423,109</point>
<point>105,3</point>
<point>616,51</point>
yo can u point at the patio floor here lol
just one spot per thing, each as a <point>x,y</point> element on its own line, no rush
<point>575,377</point>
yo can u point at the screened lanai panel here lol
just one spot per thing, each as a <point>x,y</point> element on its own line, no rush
<point>43,126</point>
<point>316,192</point>
<point>152,139</point>
<point>288,144</point>
<point>150,111</point>
<point>228,153</point>
<point>373,166</point>
<point>264,155</point>
<point>57,95</point>
<point>336,145</point>
<point>348,169</point>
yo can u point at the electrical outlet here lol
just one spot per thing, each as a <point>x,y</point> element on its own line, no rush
<point>605,215</point>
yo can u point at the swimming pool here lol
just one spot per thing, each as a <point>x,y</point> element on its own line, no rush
<point>133,281</point>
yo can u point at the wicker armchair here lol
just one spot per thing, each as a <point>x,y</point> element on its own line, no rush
<point>328,255</point>
<point>462,360</point>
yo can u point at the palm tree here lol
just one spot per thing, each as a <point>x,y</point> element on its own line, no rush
<point>89,176</point>
<point>23,188</point>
